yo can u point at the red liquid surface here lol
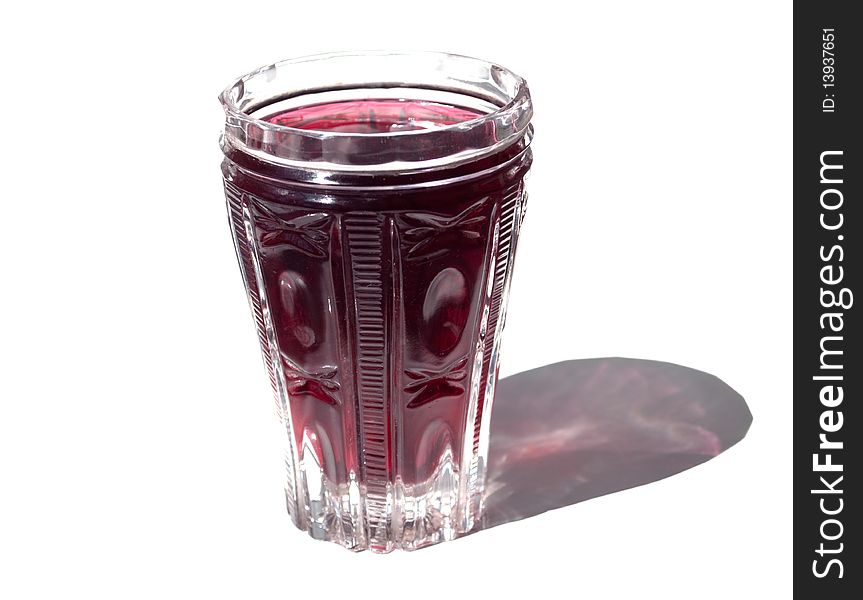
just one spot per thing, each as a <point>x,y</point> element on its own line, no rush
<point>373,116</point>
<point>377,298</point>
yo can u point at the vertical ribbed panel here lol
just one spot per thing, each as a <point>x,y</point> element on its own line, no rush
<point>241,231</point>
<point>510,211</point>
<point>368,252</point>
<point>247,269</point>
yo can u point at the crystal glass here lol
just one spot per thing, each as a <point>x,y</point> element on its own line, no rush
<point>375,201</point>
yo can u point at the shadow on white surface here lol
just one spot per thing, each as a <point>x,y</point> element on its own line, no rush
<point>571,431</point>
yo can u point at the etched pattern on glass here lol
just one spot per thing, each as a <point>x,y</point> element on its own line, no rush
<point>381,335</point>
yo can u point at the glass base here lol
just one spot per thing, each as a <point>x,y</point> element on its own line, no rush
<point>418,515</point>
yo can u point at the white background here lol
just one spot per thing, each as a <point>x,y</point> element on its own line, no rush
<point>137,446</point>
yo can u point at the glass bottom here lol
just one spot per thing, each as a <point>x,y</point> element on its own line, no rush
<point>421,514</point>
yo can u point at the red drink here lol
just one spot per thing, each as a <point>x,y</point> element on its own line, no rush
<point>379,297</point>
<point>373,116</point>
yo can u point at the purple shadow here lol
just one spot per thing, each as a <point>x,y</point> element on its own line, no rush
<point>575,430</point>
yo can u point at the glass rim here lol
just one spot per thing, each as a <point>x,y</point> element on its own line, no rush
<point>506,94</point>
